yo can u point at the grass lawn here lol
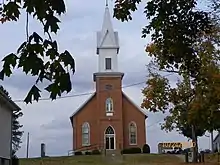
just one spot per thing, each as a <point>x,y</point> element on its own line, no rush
<point>212,158</point>
<point>138,159</point>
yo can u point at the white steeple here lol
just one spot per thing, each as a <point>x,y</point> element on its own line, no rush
<point>107,45</point>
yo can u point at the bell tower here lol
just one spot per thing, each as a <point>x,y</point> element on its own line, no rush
<point>107,48</point>
<point>108,86</point>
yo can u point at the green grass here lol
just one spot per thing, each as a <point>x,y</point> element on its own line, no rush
<point>136,159</point>
<point>212,158</point>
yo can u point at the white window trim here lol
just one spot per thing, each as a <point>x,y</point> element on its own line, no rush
<point>86,144</point>
<point>109,112</point>
<point>110,135</point>
<point>132,144</point>
<point>110,65</point>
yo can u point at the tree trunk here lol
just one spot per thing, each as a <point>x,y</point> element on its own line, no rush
<point>195,149</point>
<point>212,139</point>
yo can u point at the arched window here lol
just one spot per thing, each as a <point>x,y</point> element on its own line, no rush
<point>109,105</point>
<point>85,134</point>
<point>109,131</point>
<point>132,133</point>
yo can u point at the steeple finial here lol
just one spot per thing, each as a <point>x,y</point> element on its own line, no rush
<point>106,3</point>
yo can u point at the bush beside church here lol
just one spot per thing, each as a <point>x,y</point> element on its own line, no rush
<point>137,150</point>
<point>133,150</point>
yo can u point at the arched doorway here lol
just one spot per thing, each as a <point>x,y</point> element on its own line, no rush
<point>109,138</point>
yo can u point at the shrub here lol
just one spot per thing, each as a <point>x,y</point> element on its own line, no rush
<point>96,152</point>
<point>88,153</point>
<point>133,150</point>
<point>78,153</point>
<point>146,148</point>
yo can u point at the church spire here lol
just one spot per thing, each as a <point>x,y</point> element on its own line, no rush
<point>107,23</point>
<point>107,37</point>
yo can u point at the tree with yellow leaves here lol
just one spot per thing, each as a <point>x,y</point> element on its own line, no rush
<point>193,104</point>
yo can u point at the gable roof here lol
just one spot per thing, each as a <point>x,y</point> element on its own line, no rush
<point>93,95</point>
<point>83,105</point>
<point>139,108</point>
<point>9,102</point>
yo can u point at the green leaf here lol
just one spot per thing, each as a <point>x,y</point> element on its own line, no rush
<point>52,53</point>
<point>67,59</point>
<point>22,46</point>
<point>10,59</point>
<point>54,90</point>
<point>52,23</point>
<point>122,10</point>
<point>2,75</point>
<point>36,38</point>
<point>58,6</point>
<point>65,83</point>
<point>33,93</point>
<point>11,10</point>
<point>47,43</point>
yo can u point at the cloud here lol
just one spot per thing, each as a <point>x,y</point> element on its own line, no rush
<point>48,121</point>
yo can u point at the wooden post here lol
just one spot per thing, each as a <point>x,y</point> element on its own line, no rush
<point>27,154</point>
<point>187,157</point>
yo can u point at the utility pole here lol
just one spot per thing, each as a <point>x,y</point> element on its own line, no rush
<point>212,138</point>
<point>211,132</point>
<point>27,146</point>
<point>195,148</point>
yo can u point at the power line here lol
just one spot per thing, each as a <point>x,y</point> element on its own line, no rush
<point>89,93</point>
<point>155,123</point>
<point>83,94</point>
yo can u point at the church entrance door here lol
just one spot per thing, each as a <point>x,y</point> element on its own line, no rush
<point>109,138</point>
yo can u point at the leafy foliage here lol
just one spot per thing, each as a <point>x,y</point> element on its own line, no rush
<point>16,132</point>
<point>16,126</point>
<point>183,42</point>
<point>174,27</point>
<point>132,150</point>
<point>191,102</point>
<point>37,56</point>
<point>96,152</point>
<point>78,153</point>
<point>215,6</point>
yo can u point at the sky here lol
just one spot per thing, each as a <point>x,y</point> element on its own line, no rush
<point>48,121</point>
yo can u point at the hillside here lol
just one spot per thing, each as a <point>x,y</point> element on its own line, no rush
<point>137,159</point>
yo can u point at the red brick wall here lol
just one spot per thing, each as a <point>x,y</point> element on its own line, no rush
<point>94,113</point>
<point>116,95</point>
<point>85,115</point>
<point>130,114</point>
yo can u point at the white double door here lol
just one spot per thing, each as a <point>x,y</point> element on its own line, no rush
<point>109,141</point>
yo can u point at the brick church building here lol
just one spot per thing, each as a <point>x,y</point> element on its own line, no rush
<point>108,120</point>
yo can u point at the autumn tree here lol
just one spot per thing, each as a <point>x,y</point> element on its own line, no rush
<point>16,126</point>
<point>193,103</point>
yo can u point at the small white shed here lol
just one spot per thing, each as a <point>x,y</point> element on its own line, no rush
<point>216,142</point>
<point>7,106</point>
